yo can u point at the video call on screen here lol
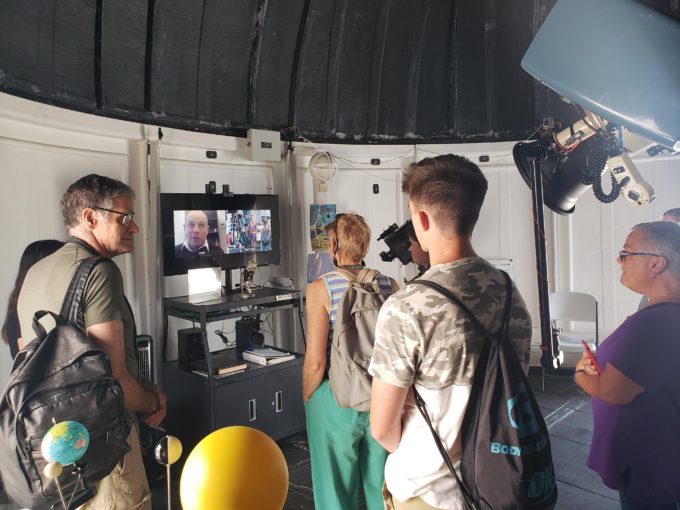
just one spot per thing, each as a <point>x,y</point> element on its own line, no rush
<point>235,231</point>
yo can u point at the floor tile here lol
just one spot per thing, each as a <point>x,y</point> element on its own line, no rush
<point>566,410</point>
<point>295,450</point>
<point>300,495</point>
<point>576,473</point>
<point>550,401</point>
<point>574,425</point>
<point>563,450</point>
<point>570,497</point>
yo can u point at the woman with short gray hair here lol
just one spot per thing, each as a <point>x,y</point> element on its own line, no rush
<point>636,388</point>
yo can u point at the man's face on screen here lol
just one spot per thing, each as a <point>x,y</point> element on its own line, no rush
<point>196,229</point>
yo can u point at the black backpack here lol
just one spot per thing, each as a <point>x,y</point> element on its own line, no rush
<point>506,462</point>
<point>61,375</point>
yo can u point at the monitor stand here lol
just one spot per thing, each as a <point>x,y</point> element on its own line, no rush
<point>245,284</point>
<point>247,274</point>
<point>227,288</point>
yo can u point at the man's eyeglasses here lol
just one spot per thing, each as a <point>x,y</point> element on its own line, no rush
<point>127,217</point>
<point>623,254</point>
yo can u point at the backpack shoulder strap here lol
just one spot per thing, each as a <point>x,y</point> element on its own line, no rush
<point>508,305</point>
<point>470,501</point>
<point>342,273</point>
<point>70,307</point>
<point>506,311</point>
<point>367,275</point>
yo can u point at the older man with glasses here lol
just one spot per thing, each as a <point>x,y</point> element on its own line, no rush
<point>98,214</point>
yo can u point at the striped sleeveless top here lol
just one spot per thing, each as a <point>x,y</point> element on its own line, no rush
<point>336,285</point>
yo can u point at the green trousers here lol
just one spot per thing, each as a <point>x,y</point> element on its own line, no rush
<point>344,455</point>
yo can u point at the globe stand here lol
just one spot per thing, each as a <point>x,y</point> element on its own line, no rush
<point>64,444</point>
<point>87,492</point>
<point>168,451</point>
<point>54,469</point>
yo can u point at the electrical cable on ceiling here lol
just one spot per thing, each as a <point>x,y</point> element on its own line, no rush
<point>499,156</point>
<point>352,163</point>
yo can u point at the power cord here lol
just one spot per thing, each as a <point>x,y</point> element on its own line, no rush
<point>225,339</point>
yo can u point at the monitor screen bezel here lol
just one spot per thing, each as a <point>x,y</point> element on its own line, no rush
<point>171,202</point>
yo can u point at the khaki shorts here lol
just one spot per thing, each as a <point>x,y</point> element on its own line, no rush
<point>126,488</point>
<point>411,504</point>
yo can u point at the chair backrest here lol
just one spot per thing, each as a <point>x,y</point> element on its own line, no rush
<point>574,306</point>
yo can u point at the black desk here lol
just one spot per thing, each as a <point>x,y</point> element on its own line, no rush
<point>268,398</point>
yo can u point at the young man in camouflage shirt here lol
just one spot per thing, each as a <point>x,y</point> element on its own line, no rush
<point>424,339</point>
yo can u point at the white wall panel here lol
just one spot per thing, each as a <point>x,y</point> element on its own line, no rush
<point>44,149</point>
<point>33,179</point>
<point>590,239</point>
<point>505,230</point>
<point>179,173</point>
<point>353,191</point>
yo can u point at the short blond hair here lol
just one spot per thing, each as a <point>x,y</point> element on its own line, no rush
<point>352,234</point>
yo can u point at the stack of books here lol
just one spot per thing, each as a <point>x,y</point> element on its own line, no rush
<point>220,366</point>
<point>267,356</point>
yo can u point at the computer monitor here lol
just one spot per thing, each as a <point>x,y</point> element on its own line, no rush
<point>200,230</point>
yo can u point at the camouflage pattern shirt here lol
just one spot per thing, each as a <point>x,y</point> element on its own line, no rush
<point>423,338</point>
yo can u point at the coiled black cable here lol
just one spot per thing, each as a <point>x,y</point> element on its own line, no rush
<point>591,173</point>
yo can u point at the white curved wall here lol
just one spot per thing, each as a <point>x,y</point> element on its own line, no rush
<point>43,149</point>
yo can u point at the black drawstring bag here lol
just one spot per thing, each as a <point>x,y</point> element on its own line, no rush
<point>506,462</point>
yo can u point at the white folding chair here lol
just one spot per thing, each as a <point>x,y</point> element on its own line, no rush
<point>573,307</point>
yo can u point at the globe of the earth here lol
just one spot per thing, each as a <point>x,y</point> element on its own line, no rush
<point>66,442</point>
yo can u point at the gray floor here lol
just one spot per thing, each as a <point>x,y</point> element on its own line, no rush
<point>567,413</point>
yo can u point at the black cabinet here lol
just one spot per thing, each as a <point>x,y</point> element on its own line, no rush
<point>268,398</point>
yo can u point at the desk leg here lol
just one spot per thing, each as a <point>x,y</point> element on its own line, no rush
<point>164,354</point>
<point>208,360</point>
<point>302,322</point>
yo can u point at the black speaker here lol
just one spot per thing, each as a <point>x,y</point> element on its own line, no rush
<point>248,334</point>
<point>189,347</point>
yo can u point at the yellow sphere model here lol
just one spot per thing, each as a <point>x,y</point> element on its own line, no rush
<point>234,468</point>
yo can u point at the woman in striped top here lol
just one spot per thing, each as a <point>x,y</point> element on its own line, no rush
<point>344,455</point>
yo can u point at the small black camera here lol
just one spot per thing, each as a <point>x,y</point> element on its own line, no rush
<point>398,242</point>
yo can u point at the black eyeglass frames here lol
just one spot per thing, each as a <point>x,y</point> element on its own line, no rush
<point>623,254</point>
<point>127,217</point>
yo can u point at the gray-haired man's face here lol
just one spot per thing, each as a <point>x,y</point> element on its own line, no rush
<point>196,229</point>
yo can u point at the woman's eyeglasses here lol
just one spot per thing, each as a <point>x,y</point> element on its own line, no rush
<point>623,254</point>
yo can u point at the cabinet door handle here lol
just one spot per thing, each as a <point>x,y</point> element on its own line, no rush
<point>252,410</point>
<point>278,399</point>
